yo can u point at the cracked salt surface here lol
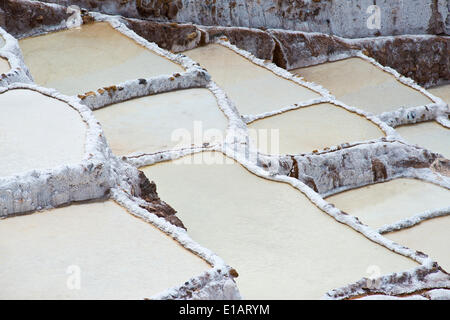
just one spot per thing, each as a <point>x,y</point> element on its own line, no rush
<point>28,121</point>
<point>254,89</point>
<point>312,128</point>
<point>430,135</point>
<point>359,83</point>
<point>84,59</point>
<point>119,256</point>
<point>281,244</point>
<point>388,202</point>
<point>148,124</point>
<point>429,236</point>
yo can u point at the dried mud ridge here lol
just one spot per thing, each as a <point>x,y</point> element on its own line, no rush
<point>154,204</point>
<point>320,173</point>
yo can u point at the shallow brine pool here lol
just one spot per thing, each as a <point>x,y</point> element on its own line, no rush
<point>389,202</point>
<point>430,135</point>
<point>85,59</point>
<point>360,84</point>
<point>172,120</point>
<point>431,237</point>
<point>89,251</point>
<point>252,88</point>
<point>311,128</point>
<point>38,132</point>
<point>281,244</point>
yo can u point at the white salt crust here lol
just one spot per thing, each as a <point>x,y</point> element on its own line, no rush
<point>416,219</point>
<point>356,170</point>
<point>444,121</point>
<point>101,171</point>
<point>43,189</point>
<point>423,278</point>
<point>12,53</point>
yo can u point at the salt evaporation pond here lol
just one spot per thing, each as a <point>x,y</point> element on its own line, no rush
<point>95,55</point>
<point>162,122</point>
<point>117,255</point>
<point>311,128</point>
<point>281,244</point>
<point>430,135</point>
<point>392,201</point>
<point>359,83</point>
<point>252,88</point>
<point>29,121</point>
<point>431,237</point>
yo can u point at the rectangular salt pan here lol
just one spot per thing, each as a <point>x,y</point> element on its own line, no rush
<point>430,135</point>
<point>311,128</point>
<point>360,84</point>
<point>252,88</point>
<point>389,202</point>
<point>165,121</point>
<point>282,246</point>
<point>116,255</point>
<point>85,59</point>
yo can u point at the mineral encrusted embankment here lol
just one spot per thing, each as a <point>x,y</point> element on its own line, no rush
<point>422,58</point>
<point>351,19</point>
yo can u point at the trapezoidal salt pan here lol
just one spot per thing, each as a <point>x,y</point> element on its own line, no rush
<point>116,255</point>
<point>254,89</point>
<point>161,122</point>
<point>85,59</point>
<point>361,84</point>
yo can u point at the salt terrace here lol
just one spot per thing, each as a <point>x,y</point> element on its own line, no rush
<point>218,159</point>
